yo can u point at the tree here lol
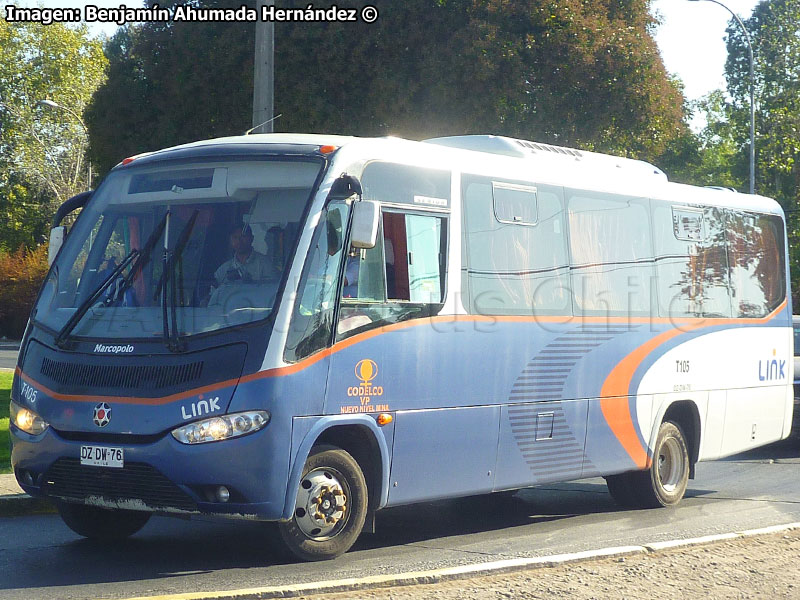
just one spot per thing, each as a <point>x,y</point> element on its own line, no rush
<point>42,151</point>
<point>572,72</point>
<point>712,157</point>
<point>774,28</point>
<point>172,83</point>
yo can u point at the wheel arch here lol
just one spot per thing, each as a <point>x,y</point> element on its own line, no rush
<point>360,437</point>
<point>686,415</point>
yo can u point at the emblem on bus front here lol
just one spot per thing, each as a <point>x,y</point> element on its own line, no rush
<point>102,414</point>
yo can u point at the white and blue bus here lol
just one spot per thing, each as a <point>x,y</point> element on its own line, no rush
<point>308,329</point>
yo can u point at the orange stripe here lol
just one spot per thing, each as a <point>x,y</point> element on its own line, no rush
<point>126,399</point>
<point>616,388</point>
<point>691,322</point>
<point>357,339</point>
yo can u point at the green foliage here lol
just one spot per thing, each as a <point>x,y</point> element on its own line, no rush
<point>572,72</point>
<point>775,33</point>
<point>42,150</point>
<point>171,84</point>
<point>5,397</point>
<point>714,156</point>
<point>21,274</point>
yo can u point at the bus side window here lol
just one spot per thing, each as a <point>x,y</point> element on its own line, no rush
<point>401,278</point>
<point>514,248</point>
<point>691,261</point>
<point>612,255</point>
<point>363,274</point>
<point>756,270</point>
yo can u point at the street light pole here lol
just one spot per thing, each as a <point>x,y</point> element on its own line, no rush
<point>56,106</point>
<point>752,95</point>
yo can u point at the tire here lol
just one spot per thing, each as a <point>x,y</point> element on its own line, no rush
<point>333,486</point>
<point>664,483</point>
<point>621,489</point>
<point>104,524</point>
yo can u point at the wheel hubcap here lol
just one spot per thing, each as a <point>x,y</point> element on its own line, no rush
<point>321,508</point>
<point>670,465</point>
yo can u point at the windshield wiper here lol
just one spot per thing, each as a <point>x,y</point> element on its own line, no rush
<point>141,257</point>
<point>84,307</point>
<point>144,257</point>
<point>171,335</point>
<point>183,239</point>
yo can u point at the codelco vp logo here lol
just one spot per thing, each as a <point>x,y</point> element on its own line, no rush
<point>366,371</point>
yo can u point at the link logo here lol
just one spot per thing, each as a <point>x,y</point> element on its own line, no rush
<point>771,369</point>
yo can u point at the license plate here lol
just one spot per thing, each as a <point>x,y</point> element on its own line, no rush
<point>102,456</point>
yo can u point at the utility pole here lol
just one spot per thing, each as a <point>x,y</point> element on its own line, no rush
<point>264,75</point>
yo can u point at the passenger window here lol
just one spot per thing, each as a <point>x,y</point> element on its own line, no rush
<point>515,204</point>
<point>424,236</point>
<point>755,244</point>
<point>691,262</point>
<point>401,278</point>
<point>363,274</point>
<point>612,255</point>
<point>688,224</point>
<point>514,266</point>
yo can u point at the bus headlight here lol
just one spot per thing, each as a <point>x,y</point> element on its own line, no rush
<point>27,420</point>
<point>221,428</point>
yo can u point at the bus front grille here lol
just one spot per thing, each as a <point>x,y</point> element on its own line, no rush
<point>91,375</point>
<point>68,479</point>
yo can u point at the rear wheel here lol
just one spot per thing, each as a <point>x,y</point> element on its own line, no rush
<point>621,490</point>
<point>664,483</point>
<point>105,524</point>
<point>330,508</point>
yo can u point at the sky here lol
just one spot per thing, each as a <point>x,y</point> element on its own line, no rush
<point>691,37</point>
<point>692,40</point>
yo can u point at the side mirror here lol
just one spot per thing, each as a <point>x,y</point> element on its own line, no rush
<point>57,235</point>
<point>344,187</point>
<point>70,205</point>
<point>364,230</point>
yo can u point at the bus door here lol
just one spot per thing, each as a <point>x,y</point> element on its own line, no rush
<point>392,358</point>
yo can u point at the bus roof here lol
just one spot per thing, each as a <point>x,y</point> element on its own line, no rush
<point>503,156</point>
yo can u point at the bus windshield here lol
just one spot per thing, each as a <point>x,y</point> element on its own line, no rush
<point>185,247</point>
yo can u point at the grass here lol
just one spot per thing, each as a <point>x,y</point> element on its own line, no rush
<point>5,397</point>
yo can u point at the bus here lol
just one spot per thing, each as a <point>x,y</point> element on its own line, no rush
<point>307,329</point>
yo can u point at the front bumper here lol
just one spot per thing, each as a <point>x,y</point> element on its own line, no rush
<point>159,475</point>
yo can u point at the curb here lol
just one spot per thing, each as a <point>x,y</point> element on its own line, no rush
<point>462,572</point>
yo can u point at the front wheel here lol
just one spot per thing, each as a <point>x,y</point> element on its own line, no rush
<point>104,524</point>
<point>330,509</point>
<point>665,482</point>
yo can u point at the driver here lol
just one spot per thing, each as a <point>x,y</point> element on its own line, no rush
<point>247,265</point>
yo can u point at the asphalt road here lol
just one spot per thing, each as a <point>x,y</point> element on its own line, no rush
<point>8,359</point>
<point>41,558</point>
